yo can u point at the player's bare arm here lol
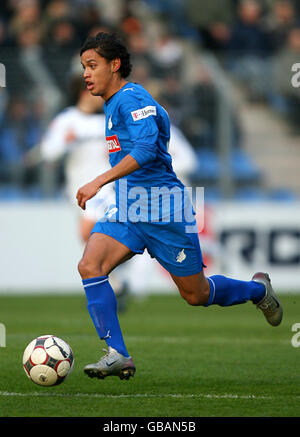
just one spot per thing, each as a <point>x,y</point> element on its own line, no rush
<point>125,167</point>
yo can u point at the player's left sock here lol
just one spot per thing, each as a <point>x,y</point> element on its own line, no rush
<point>102,307</point>
<point>226,291</point>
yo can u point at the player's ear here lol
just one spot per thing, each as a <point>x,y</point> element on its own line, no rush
<point>115,65</point>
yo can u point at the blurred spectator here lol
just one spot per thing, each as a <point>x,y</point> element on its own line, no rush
<point>62,43</point>
<point>285,97</point>
<point>141,74</point>
<point>248,38</point>
<point>279,22</point>
<point>172,97</point>
<point>212,20</point>
<point>27,15</point>
<point>3,102</point>
<point>30,57</point>
<point>3,34</point>
<point>200,111</point>
<point>56,9</point>
<point>112,12</point>
<point>166,55</point>
<point>138,45</point>
<point>174,13</point>
<point>19,132</point>
<point>249,50</point>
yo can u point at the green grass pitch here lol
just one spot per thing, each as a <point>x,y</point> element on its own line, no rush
<point>191,361</point>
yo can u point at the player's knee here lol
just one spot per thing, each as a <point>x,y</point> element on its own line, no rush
<point>88,269</point>
<point>83,268</point>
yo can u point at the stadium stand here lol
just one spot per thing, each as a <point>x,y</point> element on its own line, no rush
<point>169,42</point>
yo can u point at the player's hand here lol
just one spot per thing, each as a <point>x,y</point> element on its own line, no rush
<point>70,137</point>
<point>87,192</point>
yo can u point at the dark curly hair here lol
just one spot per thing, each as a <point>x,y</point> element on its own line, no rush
<point>109,46</point>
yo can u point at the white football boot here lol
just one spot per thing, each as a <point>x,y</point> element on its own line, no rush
<point>112,363</point>
<point>270,304</point>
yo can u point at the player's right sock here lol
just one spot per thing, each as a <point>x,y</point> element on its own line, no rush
<point>102,307</point>
<point>226,291</point>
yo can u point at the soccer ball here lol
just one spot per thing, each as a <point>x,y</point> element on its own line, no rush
<point>48,360</point>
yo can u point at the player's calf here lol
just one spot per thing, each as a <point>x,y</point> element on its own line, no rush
<point>194,289</point>
<point>195,297</point>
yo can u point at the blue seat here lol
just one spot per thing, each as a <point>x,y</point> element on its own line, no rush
<point>10,193</point>
<point>249,194</point>
<point>243,167</point>
<point>208,166</point>
<point>283,195</point>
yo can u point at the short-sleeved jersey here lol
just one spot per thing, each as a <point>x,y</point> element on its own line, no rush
<point>137,125</point>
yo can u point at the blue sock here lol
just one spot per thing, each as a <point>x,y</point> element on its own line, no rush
<point>226,292</point>
<point>102,307</point>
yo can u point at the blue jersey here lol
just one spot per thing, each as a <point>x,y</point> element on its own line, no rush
<point>137,125</point>
<point>153,209</point>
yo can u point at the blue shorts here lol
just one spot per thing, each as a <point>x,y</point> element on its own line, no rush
<point>176,250</point>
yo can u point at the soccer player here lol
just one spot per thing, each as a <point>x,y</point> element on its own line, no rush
<point>137,134</point>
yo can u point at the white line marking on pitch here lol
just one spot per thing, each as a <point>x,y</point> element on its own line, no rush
<point>142,395</point>
<point>178,339</point>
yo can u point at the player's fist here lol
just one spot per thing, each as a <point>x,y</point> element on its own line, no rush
<point>87,192</point>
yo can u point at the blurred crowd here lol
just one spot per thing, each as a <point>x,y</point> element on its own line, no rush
<point>256,41</point>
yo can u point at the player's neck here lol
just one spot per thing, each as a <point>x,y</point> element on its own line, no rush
<point>115,87</point>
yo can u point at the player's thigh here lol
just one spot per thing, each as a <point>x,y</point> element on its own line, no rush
<point>102,254</point>
<point>193,288</point>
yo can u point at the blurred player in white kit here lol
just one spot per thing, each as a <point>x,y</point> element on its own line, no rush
<point>76,134</point>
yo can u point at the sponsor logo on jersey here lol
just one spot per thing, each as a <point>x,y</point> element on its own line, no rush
<point>143,113</point>
<point>113,144</point>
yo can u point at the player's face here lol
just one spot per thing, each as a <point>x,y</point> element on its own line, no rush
<point>98,73</point>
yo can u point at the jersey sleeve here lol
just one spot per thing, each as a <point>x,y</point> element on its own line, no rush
<point>141,125</point>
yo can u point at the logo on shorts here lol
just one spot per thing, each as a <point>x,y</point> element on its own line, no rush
<point>113,144</point>
<point>181,256</point>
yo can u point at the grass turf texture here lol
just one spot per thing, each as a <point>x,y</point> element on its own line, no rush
<point>191,361</point>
